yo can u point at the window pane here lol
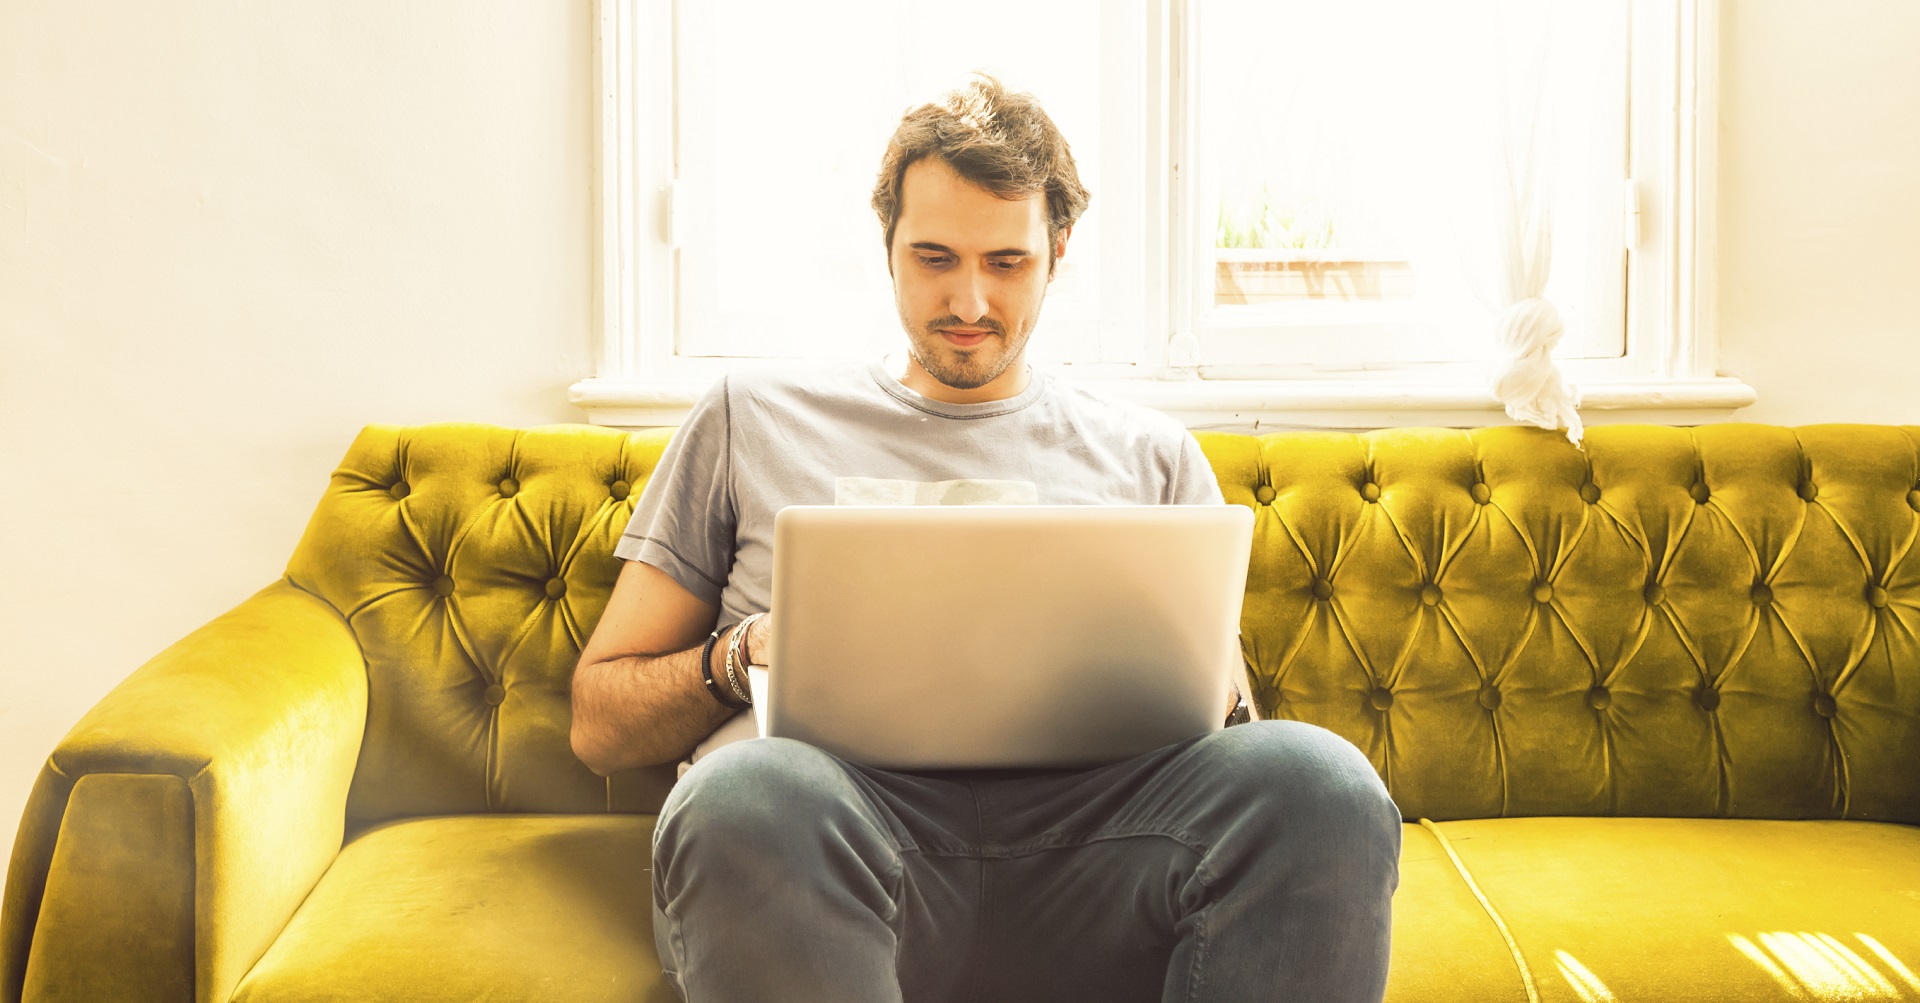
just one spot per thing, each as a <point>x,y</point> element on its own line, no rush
<point>780,134</point>
<point>1347,160</point>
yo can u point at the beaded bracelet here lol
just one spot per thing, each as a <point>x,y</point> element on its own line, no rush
<point>706,673</point>
<point>734,670</point>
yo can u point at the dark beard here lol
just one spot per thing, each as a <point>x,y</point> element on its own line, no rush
<point>955,376</point>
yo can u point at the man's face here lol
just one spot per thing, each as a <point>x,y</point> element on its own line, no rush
<point>969,274</point>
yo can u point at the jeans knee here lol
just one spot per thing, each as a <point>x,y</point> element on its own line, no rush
<point>754,790</point>
<point>1305,771</point>
<point>757,813</point>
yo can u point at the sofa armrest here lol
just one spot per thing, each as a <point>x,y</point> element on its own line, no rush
<point>180,823</point>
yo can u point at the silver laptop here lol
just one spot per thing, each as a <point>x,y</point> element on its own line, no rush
<point>980,636</point>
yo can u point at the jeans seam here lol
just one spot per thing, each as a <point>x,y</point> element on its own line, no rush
<point>895,892</point>
<point>662,896</point>
<point>975,949</point>
<point>678,949</point>
<point>1196,974</point>
<point>1067,841</point>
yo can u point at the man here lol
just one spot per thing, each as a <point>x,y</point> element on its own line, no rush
<point>1256,862</point>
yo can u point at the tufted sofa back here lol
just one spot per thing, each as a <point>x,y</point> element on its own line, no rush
<point>1706,622</point>
<point>472,562</point>
<point>1713,621</point>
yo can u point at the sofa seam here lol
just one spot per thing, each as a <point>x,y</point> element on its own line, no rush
<point>180,775</point>
<point>1513,947</point>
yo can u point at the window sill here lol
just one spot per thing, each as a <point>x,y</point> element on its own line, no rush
<point>1266,405</point>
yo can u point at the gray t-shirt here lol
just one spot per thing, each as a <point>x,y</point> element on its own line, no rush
<point>759,441</point>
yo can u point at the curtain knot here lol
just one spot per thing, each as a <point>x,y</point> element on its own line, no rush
<point>1527,380</point>
<point>1530,326</point>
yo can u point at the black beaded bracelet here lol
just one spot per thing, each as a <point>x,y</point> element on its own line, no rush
<point>706,673</point>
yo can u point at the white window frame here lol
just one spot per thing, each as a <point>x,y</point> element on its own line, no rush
<point>1667,373</point>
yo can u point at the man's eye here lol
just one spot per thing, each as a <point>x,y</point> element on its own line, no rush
<point>932,261</point>
<point>1006,266</point>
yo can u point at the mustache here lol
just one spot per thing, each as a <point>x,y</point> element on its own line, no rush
<point>987,323</point>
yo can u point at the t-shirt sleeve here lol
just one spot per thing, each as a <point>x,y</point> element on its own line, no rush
<point>1194,482</point>
<point>683,523</point>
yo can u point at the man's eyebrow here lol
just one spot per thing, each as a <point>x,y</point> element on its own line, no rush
<point>1005,252</point>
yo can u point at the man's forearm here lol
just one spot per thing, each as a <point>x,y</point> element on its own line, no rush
<point>639,710</point>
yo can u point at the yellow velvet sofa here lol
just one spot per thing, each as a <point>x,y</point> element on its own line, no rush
<point>1649,709</point>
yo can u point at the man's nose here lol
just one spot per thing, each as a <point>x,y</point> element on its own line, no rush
<point>968,298</point>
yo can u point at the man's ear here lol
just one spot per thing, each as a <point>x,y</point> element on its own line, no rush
<point>1059,251</point>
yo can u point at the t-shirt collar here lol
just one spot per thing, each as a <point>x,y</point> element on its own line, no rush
<point>1036,386</point>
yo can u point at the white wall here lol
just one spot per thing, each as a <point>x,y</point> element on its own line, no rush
<point>1820,208</point>
<point>232,234</point>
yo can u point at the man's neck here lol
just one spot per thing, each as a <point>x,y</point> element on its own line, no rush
<point>902,366</point>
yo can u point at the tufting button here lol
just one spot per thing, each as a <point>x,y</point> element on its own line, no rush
<point>1370,491</point>
<point>1699,492</point>
<point>1481,493</point>
<point>1381,698</point>
<point>1589,492</point>
<point>1543,592</point>
<point>1876,597</point>
<point>1322,589</point>
<point>1430,594</point>
<point>1823,704</point>
<point>1809,491</point>
<point>1707,699</point>
<point>1598,698</point>
<point>620,490</point>
<point>1762,594</point>
<point>494,695</point>
<point>1489,697</point>
<point>443,586</point>
<point>1913,499</point>
<point>509,487</point>
<point>556,588</point>
<point>1263,494</point>
<point>399,490</point>
<point>1655,594</point>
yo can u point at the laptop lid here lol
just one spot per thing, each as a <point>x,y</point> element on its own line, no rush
<point>936,637</point>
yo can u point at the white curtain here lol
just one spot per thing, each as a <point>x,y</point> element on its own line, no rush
<point>1503,171</point>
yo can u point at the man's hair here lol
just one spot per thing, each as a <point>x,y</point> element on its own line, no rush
<point>1003,142</point>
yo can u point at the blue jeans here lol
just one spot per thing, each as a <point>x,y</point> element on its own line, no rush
<point>1254,863</point>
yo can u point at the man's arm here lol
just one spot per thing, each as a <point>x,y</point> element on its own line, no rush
<point>638,695</point>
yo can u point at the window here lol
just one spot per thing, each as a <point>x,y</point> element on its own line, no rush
<point>778,148</point>
<point>1346,153</point>
<point>1286,195</point>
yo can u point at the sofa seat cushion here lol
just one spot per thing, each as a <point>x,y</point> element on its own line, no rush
<point>497,907</point>
<point>1444,947</point>
<point>1702,910</point>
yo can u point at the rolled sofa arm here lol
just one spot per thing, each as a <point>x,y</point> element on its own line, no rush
<point>180,823</point>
